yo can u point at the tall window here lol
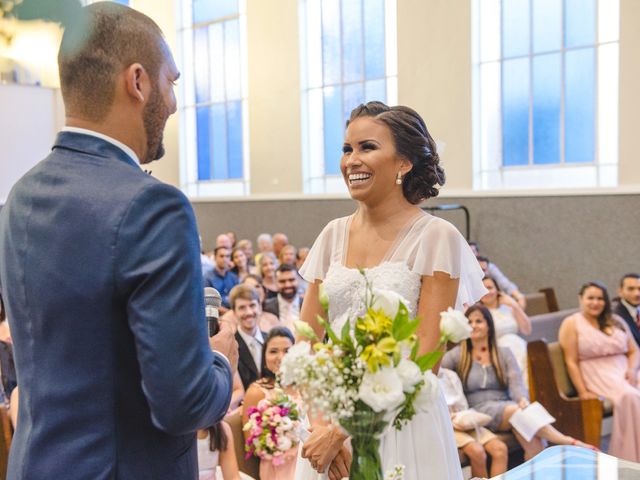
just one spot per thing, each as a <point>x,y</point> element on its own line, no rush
<point>348,56</point>
<point>214,140</point>
<point>545,93</point>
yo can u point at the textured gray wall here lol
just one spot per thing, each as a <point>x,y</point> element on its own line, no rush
<point>548,241</point>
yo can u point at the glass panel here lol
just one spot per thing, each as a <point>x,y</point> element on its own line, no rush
<point>204,152</point>
<point>121,2</point>
<point>201,64</point>
<point>219,139</point>
<point>331,55</point>
<point>314,133</point>
<point>489,30</point>
<point>216,62</point>
<point>515,27</point>
<point>580,105</point>
<point>234,138</point>
<point>209,10</point>
<point>608,104</point>
<point>390,39</point>
<point>232,59</point>
<point>374,40</point>
<point>353,96</point>
<point>333,130</point>
<point>608,20</point>
<point>314,44</point>
<point>580,22</point>
<point>490,130</point>
<point>515,112</point>
<point>547,93</point>
<point>547,25</point>
<point>352,60</point>
<point>375,90</point>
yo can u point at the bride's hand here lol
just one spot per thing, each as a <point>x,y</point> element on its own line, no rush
<point>322,446</point>
<point>339,468</point>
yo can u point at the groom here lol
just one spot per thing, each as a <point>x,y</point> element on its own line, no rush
<point>100,273</point>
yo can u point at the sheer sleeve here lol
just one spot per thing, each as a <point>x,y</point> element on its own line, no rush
<point>319,258</point>
<point>514,378</point>
<point>441,248</point>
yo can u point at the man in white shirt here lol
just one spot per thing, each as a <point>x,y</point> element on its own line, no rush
<point>245,303</point>
<point>286,306</point>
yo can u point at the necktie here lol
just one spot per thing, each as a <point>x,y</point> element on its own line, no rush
<point>256,353</point>
<point>638,317</point>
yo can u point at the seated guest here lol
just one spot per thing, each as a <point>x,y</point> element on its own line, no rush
<point>222,279</point>
<point>478,441</point>
<point>493,384</point>
<point>240,263</point>
<point>491,269</point>
<point>232,237</point>
<point>207,263</point>
<point>602,361</point>
<point>288,255</point>
<point>276,345</point>
<point>286,306</point>
<point>215,448</point>
<point>301,256</point>
<point>267,271</point>
<point>245,304</point>
<point>265,244</point>
<point>247,247</point>
<point>266,320</point>
<point>280,240</point>
<point>628,304</point>
<point>509,320</point>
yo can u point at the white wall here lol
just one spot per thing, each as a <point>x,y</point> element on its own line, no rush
<point>29,119</point>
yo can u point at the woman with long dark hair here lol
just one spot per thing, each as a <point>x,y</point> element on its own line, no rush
<point>215,448</point>
<point>276,344</point>
<point>493,384</point>
<point>602,360</point>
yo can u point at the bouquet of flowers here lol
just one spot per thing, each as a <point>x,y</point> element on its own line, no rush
<point>372,377</point>
<point>273,426</point>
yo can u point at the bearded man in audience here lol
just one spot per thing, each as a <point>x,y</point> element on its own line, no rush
<point>286,305</point>
<point>628,304</point>
<point>100,269</point>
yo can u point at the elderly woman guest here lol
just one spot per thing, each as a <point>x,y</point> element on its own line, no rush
<point>602,360</point>
<point>493,382</point>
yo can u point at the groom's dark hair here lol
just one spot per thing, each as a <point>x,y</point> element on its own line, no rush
<point>413,142</point>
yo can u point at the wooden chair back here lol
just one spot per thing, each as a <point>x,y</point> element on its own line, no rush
<point>250,466</point>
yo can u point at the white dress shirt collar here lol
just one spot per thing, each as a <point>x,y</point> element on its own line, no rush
<point>633,311</point>
<point>106,138</point>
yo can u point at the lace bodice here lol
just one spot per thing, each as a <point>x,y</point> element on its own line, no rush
<point>426,245</point>
<point>345,288</point>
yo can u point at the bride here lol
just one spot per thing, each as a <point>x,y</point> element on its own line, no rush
<point>390,165</point>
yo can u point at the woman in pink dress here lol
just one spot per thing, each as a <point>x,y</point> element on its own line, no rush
<point>276,345</point>
<point>602,360</point>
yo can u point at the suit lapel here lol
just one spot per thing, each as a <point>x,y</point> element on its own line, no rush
<point>244,355</point>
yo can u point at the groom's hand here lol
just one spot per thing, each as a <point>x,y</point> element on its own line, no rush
<point>322,446</point>
<point>339,468</point>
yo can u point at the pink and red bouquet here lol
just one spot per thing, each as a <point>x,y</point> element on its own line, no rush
<point>273,428</point>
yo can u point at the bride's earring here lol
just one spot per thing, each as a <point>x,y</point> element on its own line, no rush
<point>399,178</point>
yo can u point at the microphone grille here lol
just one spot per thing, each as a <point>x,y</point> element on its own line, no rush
<point>212,297</point>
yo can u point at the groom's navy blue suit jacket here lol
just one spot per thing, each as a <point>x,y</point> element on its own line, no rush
<point>100,272</point>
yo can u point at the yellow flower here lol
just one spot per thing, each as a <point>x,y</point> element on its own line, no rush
<point>375,323</point>
<point>374,357</point>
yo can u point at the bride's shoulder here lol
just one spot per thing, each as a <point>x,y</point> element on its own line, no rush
<point>432,228</point>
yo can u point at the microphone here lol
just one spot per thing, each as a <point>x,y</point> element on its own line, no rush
<point>212,301</point>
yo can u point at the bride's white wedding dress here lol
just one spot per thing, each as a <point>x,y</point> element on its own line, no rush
<point>425,446</point>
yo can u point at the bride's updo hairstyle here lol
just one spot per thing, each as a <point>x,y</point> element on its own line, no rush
<point>413,142</point>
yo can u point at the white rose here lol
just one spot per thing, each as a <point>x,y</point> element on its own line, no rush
<point>284,443</point>
<point>382,390</point>
<point>428,392</point>
<point>387,301</point>
<point>409,374</point>
<point>454,326</point>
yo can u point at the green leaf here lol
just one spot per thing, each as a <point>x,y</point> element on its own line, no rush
<point>414,350</point>
<point>406,330</point>
<point>428,360</point>
<point>346,331</point>
<point>332,335</point>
